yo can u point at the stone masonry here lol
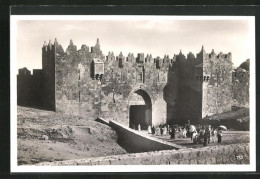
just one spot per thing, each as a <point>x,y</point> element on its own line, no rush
<point>132,90</point>
<point>230,154</point>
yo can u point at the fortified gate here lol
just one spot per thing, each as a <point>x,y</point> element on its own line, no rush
<point>132,90</point>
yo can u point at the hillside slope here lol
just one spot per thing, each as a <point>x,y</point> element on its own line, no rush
<point>49,136</point>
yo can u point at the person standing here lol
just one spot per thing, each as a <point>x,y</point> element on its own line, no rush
<point>206,136</point>
<point>219,134</point>
<point>173,132</point>
<point>161,130</point>
<point>184,132</point>
<point>157,130</point>
<point>139,127</point>
<point>164,130</point>
<point>149,129</point>
<point>153,130</point>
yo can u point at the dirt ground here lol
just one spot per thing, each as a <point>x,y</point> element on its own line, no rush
<point>229,137</point>
<point>45,136</point>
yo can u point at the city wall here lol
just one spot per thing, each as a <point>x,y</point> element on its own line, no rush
<point>173,90</point>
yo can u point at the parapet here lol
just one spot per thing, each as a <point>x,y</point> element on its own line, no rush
<point>24,72</point>
<point>140,58</point>
<point>130,57</point>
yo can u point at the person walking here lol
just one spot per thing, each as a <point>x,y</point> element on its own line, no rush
<point>219,134</point>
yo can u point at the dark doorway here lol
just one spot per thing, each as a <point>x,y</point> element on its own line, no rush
<point>141,114</point>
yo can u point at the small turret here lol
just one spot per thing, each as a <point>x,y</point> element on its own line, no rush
<point>71,42</point>
<point>147,58</point>
<point>120,55</point>
<point>190,56</point>
<point>71,48</point>
<point>44,47</point>
<point>212,54</point>
<point>97,46</point>
<point>202,54</point>
<point>121,60</point>
<point>50,45</point>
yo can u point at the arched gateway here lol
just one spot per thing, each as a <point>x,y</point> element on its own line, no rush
<point>140,109</point>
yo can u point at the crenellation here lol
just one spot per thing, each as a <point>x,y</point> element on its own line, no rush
<point>158,62</point>
<point>84,48</point>
<point>140,58</point>
<point>110,57</point>
<point>24,72</point>
<point>190,56</point>
<point>71,48</point>
<point>87,83</point>
<point>147,58</point>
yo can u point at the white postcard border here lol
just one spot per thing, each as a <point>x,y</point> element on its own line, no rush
<point>127,168</point>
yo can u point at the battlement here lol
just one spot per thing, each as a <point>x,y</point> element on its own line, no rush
<point>86,82</point>
<point>24,72</point>
<point>221,55</point>
<point>48,47</point>
<point>95,52</point>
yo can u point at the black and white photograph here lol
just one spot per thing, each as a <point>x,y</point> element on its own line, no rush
<point>132,93</point>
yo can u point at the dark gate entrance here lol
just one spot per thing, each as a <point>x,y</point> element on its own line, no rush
<point>141,114</point>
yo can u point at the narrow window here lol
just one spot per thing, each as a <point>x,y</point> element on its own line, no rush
<point>79,96</point>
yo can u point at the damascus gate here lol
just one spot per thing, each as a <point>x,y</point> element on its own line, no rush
<point>129,88</point>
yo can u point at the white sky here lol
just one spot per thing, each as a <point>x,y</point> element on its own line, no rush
<point>158,37</point>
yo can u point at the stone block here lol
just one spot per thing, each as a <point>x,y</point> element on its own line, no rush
<point>218,159</point>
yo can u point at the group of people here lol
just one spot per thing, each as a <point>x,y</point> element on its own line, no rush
<point>159,130</point>
<point>205,134</point>
<point>201,134</point>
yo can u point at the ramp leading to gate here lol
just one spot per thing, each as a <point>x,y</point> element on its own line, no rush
<point>133,141</point>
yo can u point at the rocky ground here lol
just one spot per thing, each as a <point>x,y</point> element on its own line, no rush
<point>44,136</point>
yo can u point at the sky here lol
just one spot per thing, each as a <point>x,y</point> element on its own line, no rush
<point>156,37</point>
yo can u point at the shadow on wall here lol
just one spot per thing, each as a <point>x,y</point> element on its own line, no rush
<point>135,143</point>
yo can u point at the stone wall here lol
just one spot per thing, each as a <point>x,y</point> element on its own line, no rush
<point>181,88</point>
<point>229,154</point>
<point>123,77</point>
<point>133,142</point>
<point>28,85</point>
<point>184,96</point>
<point>49,54</point>
<point>240,88</point>
<point>217,84</point>
<point>78,92</point>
